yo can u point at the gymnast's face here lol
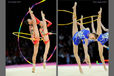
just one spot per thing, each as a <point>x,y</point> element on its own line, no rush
<point>92,36</point>
<point>29,21</point>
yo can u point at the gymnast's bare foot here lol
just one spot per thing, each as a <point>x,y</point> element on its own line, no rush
<point>33,70</point>
<point>105,68</point>
<point>75,4</point>
<point>81,71</point>
<point>44,65</point>
<point>87,60</point>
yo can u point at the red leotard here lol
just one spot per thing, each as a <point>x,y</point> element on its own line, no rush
<point>49,24</point>
<point>44,35</point>
<point>36,41</point>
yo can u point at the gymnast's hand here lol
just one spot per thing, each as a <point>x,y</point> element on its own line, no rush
<point>42,13</point>
<point>32,39</point>
<point>79,23</point>
<point>30,11</point>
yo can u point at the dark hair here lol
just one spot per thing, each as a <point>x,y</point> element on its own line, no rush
<point>96,35</point>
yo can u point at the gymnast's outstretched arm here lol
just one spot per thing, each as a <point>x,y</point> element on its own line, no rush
<point>93,29</point>
<point>81,23</point>
<point>49,23</point>
<point>43,19</point>
<point>99,31</point>
<point>105,46</point>
<point>105,29</point>
<point>32,16</point>
<point>92,26</point>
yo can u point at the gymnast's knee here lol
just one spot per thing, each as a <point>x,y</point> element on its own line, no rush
<point>45,56</point>
<point>100,53</point>
<point>75,53</point>
<point>101,56</point>
<point>33,59</point>
<point>34,56</point>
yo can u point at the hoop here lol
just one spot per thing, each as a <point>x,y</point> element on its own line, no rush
<point>21,33</point>
<point>78,19</point>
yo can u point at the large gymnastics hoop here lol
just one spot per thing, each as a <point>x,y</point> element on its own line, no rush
<point>21,33</point>
<point>29,34</point>
<point>78,19</point>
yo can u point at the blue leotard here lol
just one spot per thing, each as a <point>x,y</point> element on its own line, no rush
<point>81,35</point>
<point>103,38</point>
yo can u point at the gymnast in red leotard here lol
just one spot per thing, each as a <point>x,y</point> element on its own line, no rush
<point>45,36</point>
<point>35,37</point>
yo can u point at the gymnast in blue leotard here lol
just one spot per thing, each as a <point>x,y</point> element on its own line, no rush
<point>81,35</point>
<point>102,38</point>
<point>85,36</point>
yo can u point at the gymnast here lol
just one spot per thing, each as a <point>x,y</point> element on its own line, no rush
<point>78,36</point>
<point>35,37</point>
<point>45,35</point>
<point>102,39</point>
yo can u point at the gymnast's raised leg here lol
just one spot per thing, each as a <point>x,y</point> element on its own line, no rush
<point>74,30</point>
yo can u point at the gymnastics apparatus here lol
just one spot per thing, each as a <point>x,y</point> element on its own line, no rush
<point>86,37</point>
<point>35,35</point>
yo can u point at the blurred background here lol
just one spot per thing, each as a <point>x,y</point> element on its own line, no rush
<point>15,11</point>
<point>85,8</point>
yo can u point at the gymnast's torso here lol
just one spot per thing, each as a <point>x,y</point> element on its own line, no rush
<point>44,34</point>
<point>81,35</point>
<point>103,38</point>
